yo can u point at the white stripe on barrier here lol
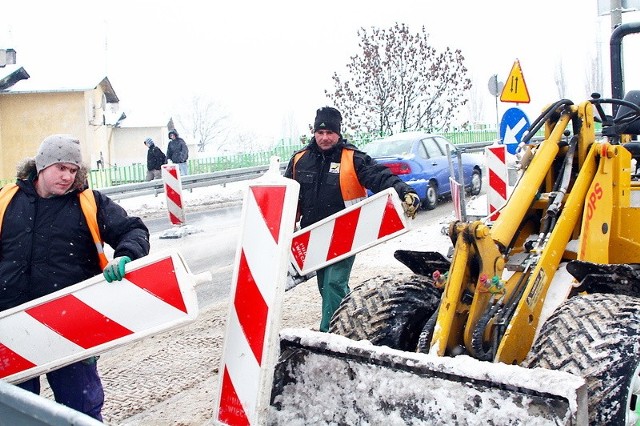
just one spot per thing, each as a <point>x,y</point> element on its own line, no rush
<point>262,252</point>
<point>244,370</point>
<point>20,331</point>
<point>368,227</point>
<point>380,218</point>
<point>127,311</point>
<point>321,238</point>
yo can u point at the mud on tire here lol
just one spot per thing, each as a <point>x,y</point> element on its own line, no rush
<point>597,337</point>
<point>387,311</point>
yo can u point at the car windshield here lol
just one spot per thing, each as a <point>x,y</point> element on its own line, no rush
<point>387,148</point>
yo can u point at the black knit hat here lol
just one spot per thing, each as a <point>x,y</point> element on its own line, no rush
<point>328,118</point>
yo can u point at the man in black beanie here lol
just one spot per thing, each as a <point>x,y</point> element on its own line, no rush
<point>333,175</point>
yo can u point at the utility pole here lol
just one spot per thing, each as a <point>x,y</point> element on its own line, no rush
<point>616,13</point>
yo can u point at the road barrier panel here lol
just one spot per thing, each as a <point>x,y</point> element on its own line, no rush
<point>251,343</point>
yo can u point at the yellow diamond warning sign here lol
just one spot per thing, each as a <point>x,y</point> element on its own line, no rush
<point>515,89</point>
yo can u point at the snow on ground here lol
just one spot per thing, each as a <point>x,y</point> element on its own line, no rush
<point>218,195</point>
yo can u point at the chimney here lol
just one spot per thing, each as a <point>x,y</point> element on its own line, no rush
<point>7,57</point>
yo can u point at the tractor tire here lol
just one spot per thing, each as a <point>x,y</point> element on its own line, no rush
<point>387,311</point>
<point>597,337</point>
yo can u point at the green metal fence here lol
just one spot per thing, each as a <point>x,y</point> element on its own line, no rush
<point>118,175</point>
<point>136,173</point>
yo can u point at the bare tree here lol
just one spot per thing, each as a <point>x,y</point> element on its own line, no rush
<point>400,82</point>
<point>290,129</point>
<point>559,79</point>
<point>476,105</point>
<point>205,122</point>
<point>594,82</point>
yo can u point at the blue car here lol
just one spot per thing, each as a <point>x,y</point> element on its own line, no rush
<point>420,159</point>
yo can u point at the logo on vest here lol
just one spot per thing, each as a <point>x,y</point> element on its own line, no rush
<point>334,168</point>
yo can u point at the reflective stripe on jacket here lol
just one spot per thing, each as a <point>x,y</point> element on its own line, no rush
<point>350,187</point>
<point>89,210</point>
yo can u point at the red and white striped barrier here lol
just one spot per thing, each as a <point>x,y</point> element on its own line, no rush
<point>93,316</point>
<point>173,192</point>
<point>455,197</point>
<point>369,222</point>
<point>251,342</point>
<point>498,179</point>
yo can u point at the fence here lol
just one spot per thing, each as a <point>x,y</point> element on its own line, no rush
<point>118,175</point>
<point>113,176</point>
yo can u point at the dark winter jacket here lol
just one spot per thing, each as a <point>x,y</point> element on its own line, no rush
<point>155,158</point>
<point>177,150</point>
<point>45,243</point>
<point>320,194</point>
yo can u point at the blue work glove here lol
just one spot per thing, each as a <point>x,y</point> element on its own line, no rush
<point>411,204</point>
<point>114,271</point>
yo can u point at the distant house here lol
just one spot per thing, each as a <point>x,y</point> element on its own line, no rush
<point>35,106</point>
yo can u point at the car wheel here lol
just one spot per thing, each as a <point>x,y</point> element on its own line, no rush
<point>431,197</point>
<point>476,182</point>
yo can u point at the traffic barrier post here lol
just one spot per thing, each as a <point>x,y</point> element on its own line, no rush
<point>251,339</point>
<point>498,179</point>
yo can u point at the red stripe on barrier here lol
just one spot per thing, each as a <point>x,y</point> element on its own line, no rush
<point>231,410</point>
<point>343,232</point>
<point>78,322</point>
<point>160,280</point>
<point>173,171</point>
<point>499,152</point>
<point>173,195</point>
<point>268,198</point>
<point>12,362</point>
<point>391,222</point>
<point>497,183</point>
<point>251,309</point>
<point>174,219</point>
<point>493,212</point>
<point>299,247</point>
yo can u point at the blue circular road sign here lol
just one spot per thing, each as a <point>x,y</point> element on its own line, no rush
<point>513,126</point>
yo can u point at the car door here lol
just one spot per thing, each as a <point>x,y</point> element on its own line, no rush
<point>467,168</point>
<point>437,163</point>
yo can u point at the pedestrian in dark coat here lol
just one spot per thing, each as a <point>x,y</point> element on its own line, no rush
<point>333,175</point>
<point>155,160</point>
<point>46,245</point>
<point>178,152</point>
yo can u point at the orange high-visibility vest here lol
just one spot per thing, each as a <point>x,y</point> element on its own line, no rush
<point>89,209</point>
<point>350,187</point>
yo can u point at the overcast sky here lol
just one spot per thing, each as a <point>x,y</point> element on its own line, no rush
<point>269,62</point>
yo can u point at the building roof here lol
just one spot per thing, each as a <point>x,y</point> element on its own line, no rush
<point>55,83</point>
<point>11,74</point>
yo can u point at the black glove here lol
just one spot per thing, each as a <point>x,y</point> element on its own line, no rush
<point>411,204</point>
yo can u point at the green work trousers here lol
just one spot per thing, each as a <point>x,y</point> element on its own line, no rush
<point>333,283</point>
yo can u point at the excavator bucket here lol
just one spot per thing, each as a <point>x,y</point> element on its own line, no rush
<point>326,378</point>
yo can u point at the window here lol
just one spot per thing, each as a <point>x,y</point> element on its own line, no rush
<point>432,148</point>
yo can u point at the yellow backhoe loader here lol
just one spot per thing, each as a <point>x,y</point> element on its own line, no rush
<point>476,338</point>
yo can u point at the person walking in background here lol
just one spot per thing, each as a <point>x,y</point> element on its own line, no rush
<point>155,160</point>
<point>46,244</point>
<point>178,152</point>
<point>333,175</point>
